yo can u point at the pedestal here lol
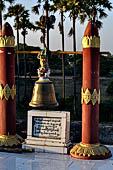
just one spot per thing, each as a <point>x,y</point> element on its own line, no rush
<point>48,131</point>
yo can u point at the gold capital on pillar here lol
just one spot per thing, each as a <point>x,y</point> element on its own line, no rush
<point>7,41</point>
<point>91,41</point>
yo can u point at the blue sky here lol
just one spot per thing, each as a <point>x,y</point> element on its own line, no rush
<point>33,38</point>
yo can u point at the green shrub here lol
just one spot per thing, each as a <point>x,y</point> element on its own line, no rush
<point>110,88</point>
<point>68,105</point>
<point>106,111</point>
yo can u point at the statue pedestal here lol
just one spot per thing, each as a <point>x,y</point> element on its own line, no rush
<point>48,131</point>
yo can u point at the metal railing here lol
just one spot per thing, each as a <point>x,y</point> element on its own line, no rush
<point>58,52</point>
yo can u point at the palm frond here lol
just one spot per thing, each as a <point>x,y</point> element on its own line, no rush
<point>35,9</point>
<point>70,33</point>
<point>60,27</point>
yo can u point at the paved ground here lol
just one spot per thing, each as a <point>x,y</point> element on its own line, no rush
<point>47,161</point>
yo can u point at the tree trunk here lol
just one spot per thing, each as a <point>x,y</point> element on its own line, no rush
<point>63,59</point>
<point>24,38</point>
<point>18,71</point>
<point>47,25</point>
<point>74,49</point>
<point>0,20</point>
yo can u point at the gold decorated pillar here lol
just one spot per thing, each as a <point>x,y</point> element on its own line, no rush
<point>89,148</point>
<point>8,136</point>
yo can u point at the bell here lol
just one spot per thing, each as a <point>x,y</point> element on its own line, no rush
<point>43,94</point>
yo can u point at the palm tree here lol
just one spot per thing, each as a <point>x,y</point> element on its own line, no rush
<point>24,24</point>
<point>95,10</point>
<point>16,12</point>
<point>2,8</point>
<point>60,5</point>
<point>42,25</point>
<point>47,23</point>
<point>75,8</point>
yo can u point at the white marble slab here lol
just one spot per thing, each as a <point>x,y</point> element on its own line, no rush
<point>48,161</point>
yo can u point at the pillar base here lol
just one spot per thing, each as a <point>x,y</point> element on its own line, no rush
<point>90,151</point>
<point>10,141</point>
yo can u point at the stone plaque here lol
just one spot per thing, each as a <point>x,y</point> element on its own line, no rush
<point>48,131</point>
<point>46,127</point>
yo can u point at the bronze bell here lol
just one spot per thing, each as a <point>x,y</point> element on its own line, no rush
<point>43,94</point>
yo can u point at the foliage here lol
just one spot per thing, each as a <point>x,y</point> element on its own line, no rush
<point>45,23</point>
<point>106,65</point>
<point>24,22</point>
<point>68,105</point>
<point>32,61</point>
<point>74,7</point>
<point>2,8</point>
<point>110,88</point>
<point>22,108</point>
<point>15,11</point>
<point>2,5</point>
<point>95,10</point>
<point>106,111</point>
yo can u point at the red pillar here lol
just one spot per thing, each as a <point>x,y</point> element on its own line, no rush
<point>90,148</point>
<point>8,136</point>
<point>91,64</point>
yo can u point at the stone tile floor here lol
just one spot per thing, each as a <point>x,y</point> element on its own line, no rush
<point>50,161</point>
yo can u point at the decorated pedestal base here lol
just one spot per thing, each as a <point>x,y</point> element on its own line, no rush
<point>12,143</point>
<point>90,151</point>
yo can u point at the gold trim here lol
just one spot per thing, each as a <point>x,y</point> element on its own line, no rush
<point>89,145</point>
<point>13,91</point>
<point>87,96</point>
<point>7,92</point>
<point>89,150</point>
<point>92,41</point>
<point>7,41</point>
<point>1,92</point>
<point>11,140</point>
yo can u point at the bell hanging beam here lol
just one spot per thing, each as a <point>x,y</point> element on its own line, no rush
<point>43,92</point>
<point>90,148</point>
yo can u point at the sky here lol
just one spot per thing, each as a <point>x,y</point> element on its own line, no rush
<point>33,38</point>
